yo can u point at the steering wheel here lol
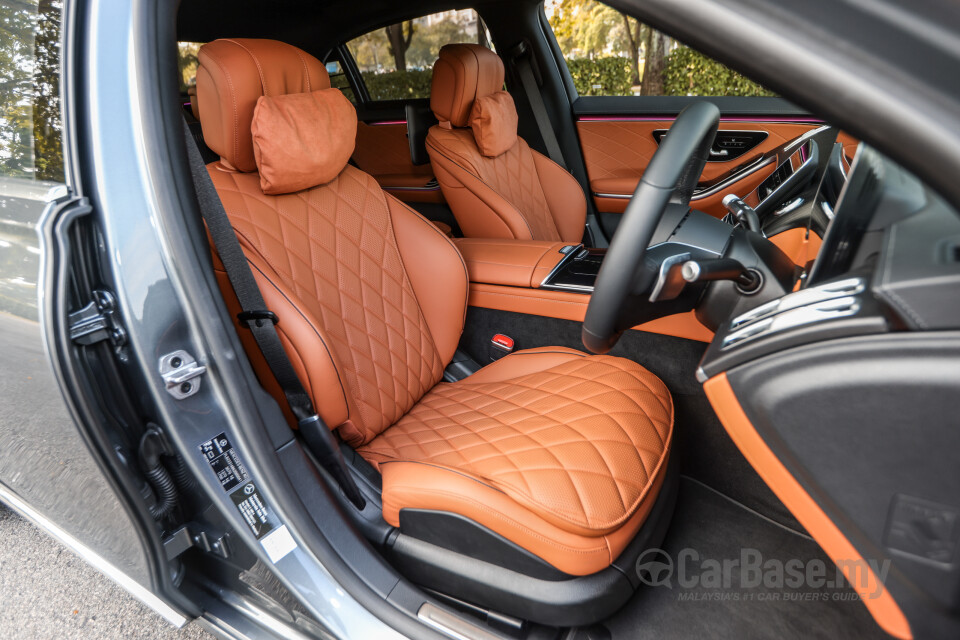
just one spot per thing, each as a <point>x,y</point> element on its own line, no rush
<point>667,182</point>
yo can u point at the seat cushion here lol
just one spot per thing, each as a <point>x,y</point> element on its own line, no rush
<point>560,452</point>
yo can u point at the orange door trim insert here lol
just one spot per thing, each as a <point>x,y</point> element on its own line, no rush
<point>877,599</point>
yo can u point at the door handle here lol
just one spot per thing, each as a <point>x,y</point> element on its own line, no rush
<point>722,153</point>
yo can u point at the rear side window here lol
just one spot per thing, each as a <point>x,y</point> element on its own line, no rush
<point>187,63</point>
<point>396,62</point>
<point>30,119</point>
<point>610,53</point>
<point>338,80</point>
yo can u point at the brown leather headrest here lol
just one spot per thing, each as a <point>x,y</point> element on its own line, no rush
<point>302,140</point>
<point>493,119</point>
<point>231,76</point>
<point>463,73</point>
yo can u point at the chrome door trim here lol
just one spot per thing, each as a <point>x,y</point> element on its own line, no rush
<point>92,558</point>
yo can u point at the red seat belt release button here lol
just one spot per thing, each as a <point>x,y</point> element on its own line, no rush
<point>500,345</point>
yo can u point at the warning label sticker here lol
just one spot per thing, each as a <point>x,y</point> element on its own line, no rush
<point>253,509</point>
<point>225,462</point>
<point>236,481</point>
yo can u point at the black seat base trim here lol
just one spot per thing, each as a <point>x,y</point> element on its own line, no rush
<point>560,601</point>
<point>462,535</point>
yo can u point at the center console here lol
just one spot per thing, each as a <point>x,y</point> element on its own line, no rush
<point>550,279</point>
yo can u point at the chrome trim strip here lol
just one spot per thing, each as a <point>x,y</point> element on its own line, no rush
<point>389,188</point>
<point>820,311</point>
<point>570,255</point>
<point>89,556</point>
<point>573,288</point>
<point>706,193</point>
<point>804,297</point>
<point>452,625</point>
<point>750,169</point>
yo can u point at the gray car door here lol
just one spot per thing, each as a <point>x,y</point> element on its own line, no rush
<point>47,471</point>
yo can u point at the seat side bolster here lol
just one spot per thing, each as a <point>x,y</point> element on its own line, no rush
<point>565,198</point>
<point>480,210</point>
<point>437,274</point>
<point>304,341</point>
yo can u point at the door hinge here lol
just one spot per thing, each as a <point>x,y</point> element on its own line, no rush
<point>181,374</point>
<point>97,321</point>
<point>184,538</point>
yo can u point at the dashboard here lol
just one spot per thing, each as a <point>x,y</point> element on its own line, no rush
<point>890,261</point>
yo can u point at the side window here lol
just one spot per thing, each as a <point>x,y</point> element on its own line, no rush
<point>30,122</point>
<point>612,54</point>
<point>338,80</point>
<point>187,63</point>
<point>396,62</point>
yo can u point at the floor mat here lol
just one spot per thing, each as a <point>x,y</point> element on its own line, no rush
<point>709,600</point>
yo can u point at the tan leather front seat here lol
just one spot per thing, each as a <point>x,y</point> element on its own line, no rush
<point>496,185</point>
<point>559,452</point>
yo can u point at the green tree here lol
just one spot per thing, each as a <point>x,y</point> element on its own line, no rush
<point>654,63</point>
<point>398,41</point>
<point>425,46</point>
<point>370,51</point>
<point>586,28</point>
<point>30,130</point>
<point>188,63</point>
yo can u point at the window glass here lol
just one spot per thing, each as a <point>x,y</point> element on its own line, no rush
<point>396,62</point>
<point>30,123</point>
<point>612,54</point>
<point>187,62</point>
<point>338,80</point>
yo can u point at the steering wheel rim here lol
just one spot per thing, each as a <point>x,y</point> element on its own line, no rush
<point>670,178</point>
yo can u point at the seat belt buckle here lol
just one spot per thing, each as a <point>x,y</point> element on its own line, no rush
<point>257,317</point>
<point>500,345</point>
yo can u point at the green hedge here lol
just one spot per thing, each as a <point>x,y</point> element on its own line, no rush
<point>691,73</point>
<point>687,73</point>
<point>608,76</point>
<point>398,85</point>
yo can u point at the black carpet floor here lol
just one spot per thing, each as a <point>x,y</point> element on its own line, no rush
<point>718,528</point>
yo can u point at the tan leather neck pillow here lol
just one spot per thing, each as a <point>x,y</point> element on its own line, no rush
<point>302,140</point>
<point>493,119</point>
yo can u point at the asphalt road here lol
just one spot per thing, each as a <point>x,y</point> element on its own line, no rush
<point>47,592</point>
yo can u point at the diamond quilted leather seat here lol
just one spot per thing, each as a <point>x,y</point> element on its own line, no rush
<point>496,185</point>
<point>548,458</point>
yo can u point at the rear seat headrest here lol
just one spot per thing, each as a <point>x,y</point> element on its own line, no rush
<point>233,74</point>
<point>463,73</point>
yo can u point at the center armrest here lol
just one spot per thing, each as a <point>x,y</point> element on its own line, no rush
<point>513,263</point>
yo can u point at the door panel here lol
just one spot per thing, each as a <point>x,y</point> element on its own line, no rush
<point>617,149</point>
<point>382,151</point>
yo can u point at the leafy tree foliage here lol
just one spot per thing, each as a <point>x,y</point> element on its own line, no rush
<point>398,85</point>
<point>590,29</point>
<point>188,62</point>
<point>606,76</point>
<point>30,126</point>
<point>689,72</point>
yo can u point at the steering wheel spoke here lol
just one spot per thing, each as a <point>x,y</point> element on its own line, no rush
<point>667,184</point>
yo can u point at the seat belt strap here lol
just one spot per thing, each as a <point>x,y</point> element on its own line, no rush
<point>522,58</point>
<point>261,322</point>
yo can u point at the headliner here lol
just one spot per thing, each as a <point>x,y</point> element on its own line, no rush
<point>314,26</point>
